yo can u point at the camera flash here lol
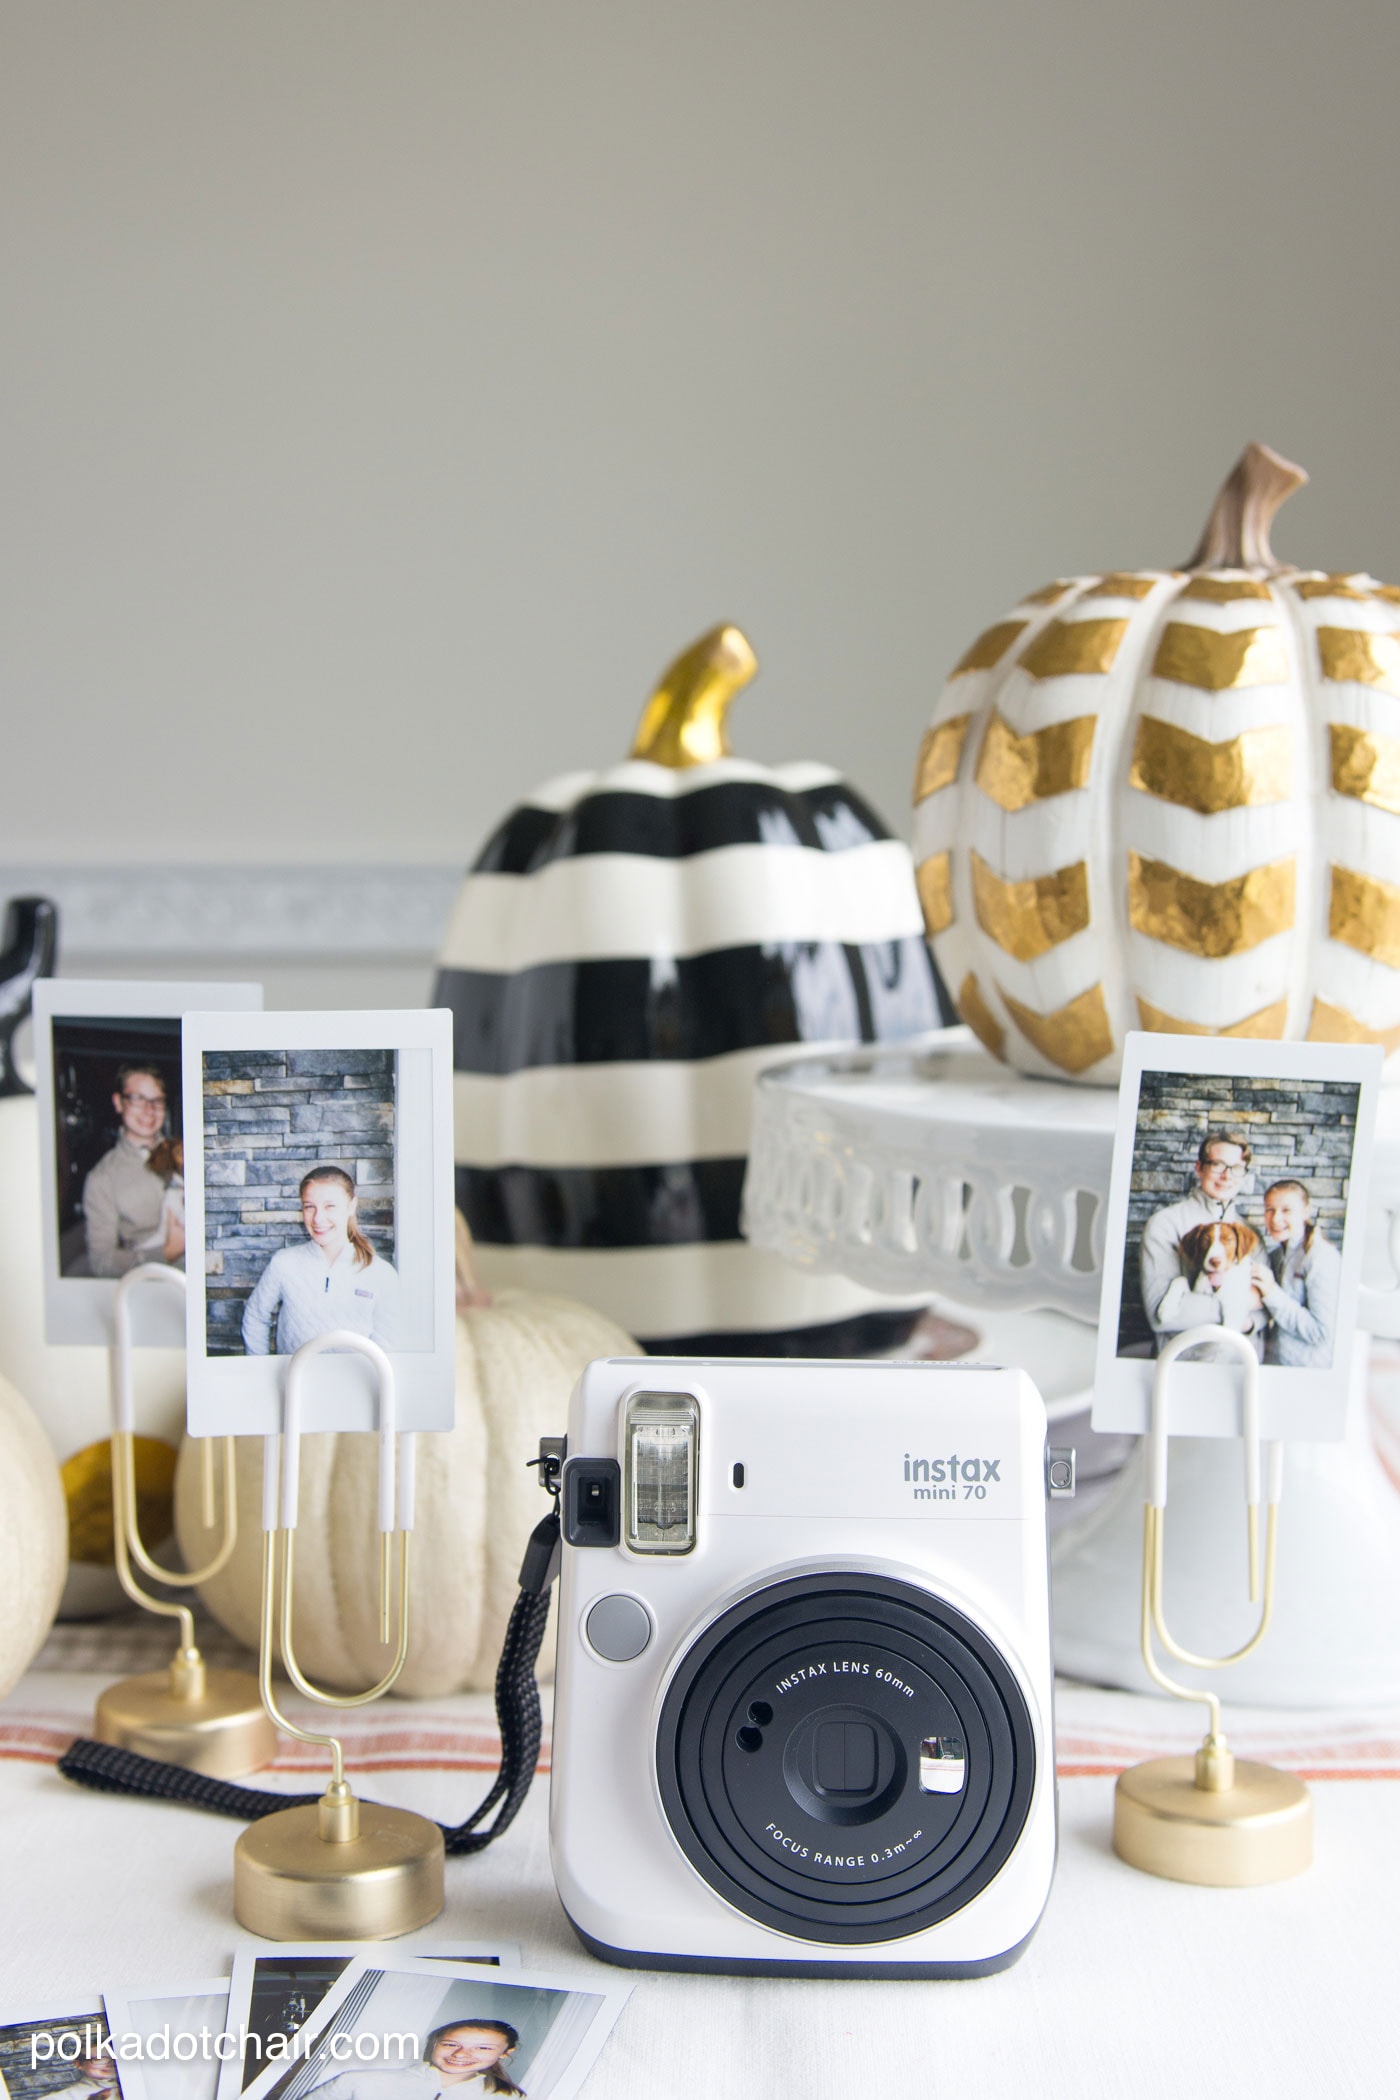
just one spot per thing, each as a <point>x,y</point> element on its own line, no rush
<point>662,1434</point>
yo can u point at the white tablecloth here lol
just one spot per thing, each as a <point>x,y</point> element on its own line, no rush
<point>1132,1987</point>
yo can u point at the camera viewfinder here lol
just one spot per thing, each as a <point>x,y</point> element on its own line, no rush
<point>662,1437</point>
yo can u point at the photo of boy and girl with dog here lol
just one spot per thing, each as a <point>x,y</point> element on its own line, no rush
<point>1276,1278</point>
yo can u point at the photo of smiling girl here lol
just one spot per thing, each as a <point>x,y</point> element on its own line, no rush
<point>332,1279</point>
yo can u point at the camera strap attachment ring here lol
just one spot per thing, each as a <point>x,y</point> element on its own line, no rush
<point>1213,1819</point>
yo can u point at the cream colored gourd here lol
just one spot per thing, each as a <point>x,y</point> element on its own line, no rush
<point>33,1536</point>
<point>67,1387</point>
<point>518,1356</point>
<point>1170,800</point>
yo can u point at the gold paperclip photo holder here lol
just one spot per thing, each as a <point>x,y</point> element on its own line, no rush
<point>206,1720</point>
<point>1213,1818</point>
<point>340,1868</point>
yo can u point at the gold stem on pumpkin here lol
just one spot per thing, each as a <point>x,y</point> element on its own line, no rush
<point>683,722</point>
<point>1237,530</point>
<point>469,1291</point>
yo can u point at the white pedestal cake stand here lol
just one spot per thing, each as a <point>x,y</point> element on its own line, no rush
<point>929,1166</point>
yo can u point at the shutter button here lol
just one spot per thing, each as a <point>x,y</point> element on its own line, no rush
<point>618,1629</point>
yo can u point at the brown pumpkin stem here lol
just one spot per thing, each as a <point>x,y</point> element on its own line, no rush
<point>1237,530</point>
<point>469,1291</point>
<point>683,722</point>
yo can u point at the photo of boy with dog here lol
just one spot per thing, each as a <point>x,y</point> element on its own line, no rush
<point>1236,1214</point>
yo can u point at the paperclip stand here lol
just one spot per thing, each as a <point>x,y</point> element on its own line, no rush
<point>209,1721</point>
<point>338,1868</point>
<point>1212,1819</point>
<point>1256,1830</point>
<point>188,1715</point>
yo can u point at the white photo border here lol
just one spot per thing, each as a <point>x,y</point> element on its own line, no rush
<point>1295,1402</point>
<point>124,2020</point>
<point>78,1309</point>
<point>242,1395</point>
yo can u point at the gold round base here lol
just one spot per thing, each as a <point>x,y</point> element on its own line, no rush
<point>225,1732</point>
<point>1258,1830</point>
<point>290,1883</point>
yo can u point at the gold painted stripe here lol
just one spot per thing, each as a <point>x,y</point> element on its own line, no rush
<point>1029,918</point>
<point>1328,587</point>
<point>1074,1037</point>
<point>934,879</point>
<point>1074,648</point>
<point>1048,594</point>
<point>940,754</point>
<point>1267,1025</point>
<point>1388,591</point>
<point>1365,659</point>
<point>1018,770</point>
<point>1210,918</point>
<point>1201,656</point>
<point>1333,1024</point>
<point>1364,912</point>
<point>1122,583</point>
<point>973,1009</point>
<point>1366,764</point>
<point>1175,766</point>
<point>1223,590</point>
<point>989,648</point>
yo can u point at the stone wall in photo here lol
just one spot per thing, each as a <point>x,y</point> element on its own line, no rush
<point>269,1117</point>
<point>1300,1130</point>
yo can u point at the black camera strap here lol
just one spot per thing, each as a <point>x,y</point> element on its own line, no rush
<point>109,1770</point>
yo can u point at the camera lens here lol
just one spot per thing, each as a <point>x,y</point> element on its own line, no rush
<point>845,1758</point>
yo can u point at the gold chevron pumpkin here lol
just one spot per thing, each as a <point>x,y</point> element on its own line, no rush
<point>1170,799</point>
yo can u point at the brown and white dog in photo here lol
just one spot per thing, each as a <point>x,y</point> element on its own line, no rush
<point>1217,1257</point>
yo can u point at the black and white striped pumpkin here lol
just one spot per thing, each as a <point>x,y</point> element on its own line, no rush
<point>628,951</point>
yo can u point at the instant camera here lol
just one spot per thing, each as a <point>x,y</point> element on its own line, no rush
<point>803,1710</point>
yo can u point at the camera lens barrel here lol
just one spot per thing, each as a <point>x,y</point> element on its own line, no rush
<point>845,1758</point>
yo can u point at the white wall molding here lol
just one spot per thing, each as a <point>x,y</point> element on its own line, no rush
<point>111,914</point>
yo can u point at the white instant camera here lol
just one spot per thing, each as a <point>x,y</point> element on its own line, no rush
<point>803,1711</point>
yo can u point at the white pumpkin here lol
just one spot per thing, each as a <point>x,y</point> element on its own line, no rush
<point>518,1356</point>
<point>67,1386</point>
<point>1170,800</point>
<point>33,1536</point>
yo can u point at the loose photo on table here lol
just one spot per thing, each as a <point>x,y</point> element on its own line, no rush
<point>168,2041</point>
<point>62,2055</point>
<point>400,2029</point>
<point>318,1206</point>
<point>272,1995</point>
<point>1235,1206</point>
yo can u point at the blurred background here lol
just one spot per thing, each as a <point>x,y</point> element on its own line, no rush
<point>390,391</point>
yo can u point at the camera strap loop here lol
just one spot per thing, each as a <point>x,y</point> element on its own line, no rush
<point>108,1770</point>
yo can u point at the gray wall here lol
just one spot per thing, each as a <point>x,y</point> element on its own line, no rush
<point>391,390</point>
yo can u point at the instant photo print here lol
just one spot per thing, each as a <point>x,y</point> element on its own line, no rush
<point>390,2016</point>
<point>1237,1200</point>
<point>108,1080</point>
<point>62,2054</point>
<point>318,1197</point>
<point>275,1992</point>
<point>168,2042</point>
